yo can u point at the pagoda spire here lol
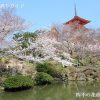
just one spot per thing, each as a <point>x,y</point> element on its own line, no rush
<point>75,10</point>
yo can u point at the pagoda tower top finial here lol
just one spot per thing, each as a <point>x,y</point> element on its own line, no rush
<point>75,9</point>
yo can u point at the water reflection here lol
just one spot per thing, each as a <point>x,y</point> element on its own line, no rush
<point>65,91</point>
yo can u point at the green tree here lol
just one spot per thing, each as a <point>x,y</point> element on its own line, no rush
<point>25,39</point>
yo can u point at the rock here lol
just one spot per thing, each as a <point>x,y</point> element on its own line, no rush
<point>89,79</point>
<point>71,73</point>
<point>83,73</point>
<point>1,88</point>
<point>21,67</point>
<point>72,76</point>
<point>81,77</point>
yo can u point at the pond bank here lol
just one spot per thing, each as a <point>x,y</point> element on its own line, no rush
<point>83,73</point>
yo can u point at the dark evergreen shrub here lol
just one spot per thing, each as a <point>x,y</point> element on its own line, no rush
<point>54,69</point>
<point>43,78</point>
<point>18,82</point>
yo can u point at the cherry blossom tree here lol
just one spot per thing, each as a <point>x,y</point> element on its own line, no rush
<point>77,41</point>
<point>10,23</point>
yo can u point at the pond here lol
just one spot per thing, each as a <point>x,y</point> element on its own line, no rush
<point>59,91</point>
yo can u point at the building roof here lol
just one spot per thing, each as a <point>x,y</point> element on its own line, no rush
<point>79,19</point>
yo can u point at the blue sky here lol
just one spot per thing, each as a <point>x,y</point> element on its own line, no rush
<point>45,13</point>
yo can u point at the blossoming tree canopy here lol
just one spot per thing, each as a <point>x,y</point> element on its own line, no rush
<point>10,23</point>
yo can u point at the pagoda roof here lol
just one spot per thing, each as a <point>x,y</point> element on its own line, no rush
<point>77,18</point>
